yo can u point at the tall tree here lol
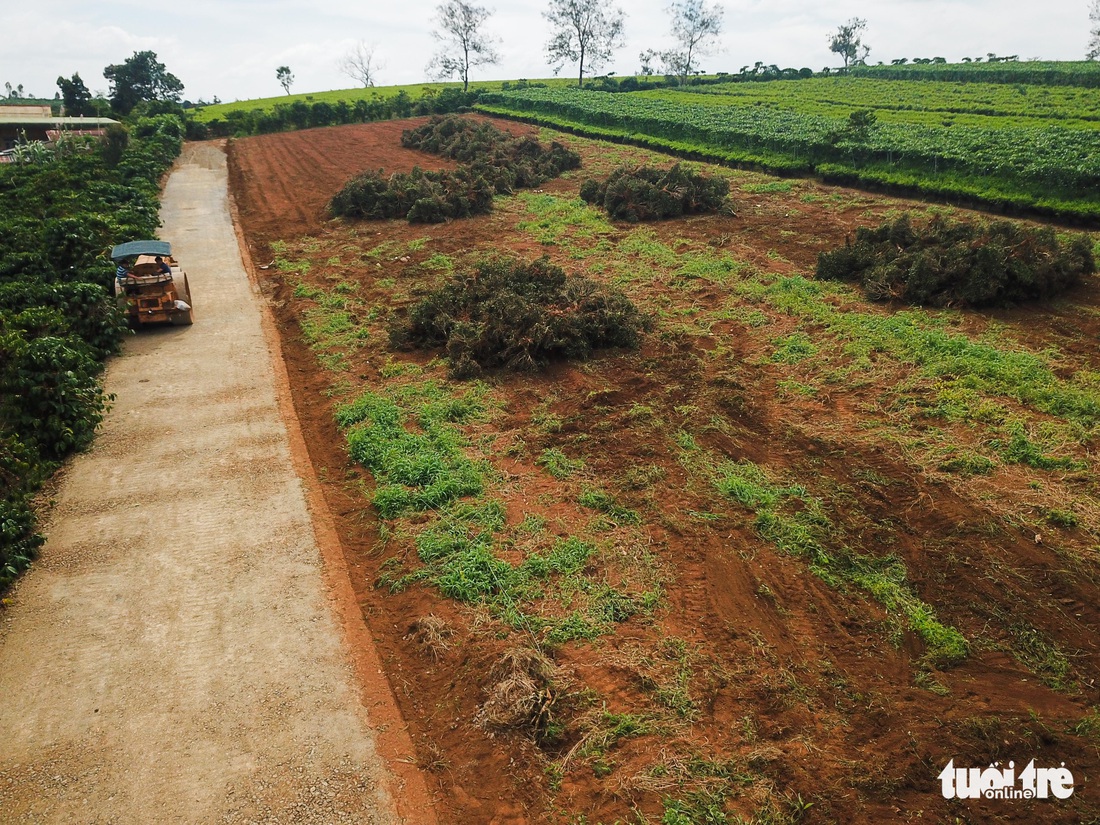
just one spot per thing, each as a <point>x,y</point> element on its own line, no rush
<point>464,43</point>
<point>75,96</point>
<point>140,78</point>
<point>1094,31</point>
<point>583,31</point>
<point>360,64</point>
<point>285,77</point>
<point>693,24</point>
<point>847,42</point>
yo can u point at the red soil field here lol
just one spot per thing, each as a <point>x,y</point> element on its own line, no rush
<point>803,707</point>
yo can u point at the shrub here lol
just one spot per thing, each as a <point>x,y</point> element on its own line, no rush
<point>646,193</point>
<point>959,263</point>
<point>518,315</point>
<point>50,395</point>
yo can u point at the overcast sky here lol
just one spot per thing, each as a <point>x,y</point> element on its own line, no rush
<point>231,48</point>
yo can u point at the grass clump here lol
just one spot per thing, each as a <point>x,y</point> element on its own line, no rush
<point>959,263</point>
<point>646,193</point>
<point>795,522</point>
<point>560,466</point>
<point>416,469</point>
<point>519,315</point>
<point>605,503</point>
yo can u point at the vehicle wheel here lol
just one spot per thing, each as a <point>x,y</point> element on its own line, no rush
<point>184,319</point>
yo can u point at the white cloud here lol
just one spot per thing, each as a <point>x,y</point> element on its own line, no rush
<point>231,48</point>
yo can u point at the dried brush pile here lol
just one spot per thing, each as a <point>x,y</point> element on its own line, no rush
<point>518,315</point>
<point>645,193</point>
<point>417,196</point>
<point>521,692</point>
<point>958,263</point>
<point>509,162</point>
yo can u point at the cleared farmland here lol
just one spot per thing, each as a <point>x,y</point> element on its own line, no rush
<point>782,562</point>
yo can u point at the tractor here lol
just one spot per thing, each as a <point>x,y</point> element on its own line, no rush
<point>150,286</point>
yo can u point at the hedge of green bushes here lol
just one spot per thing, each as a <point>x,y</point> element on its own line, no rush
<point>61,210</point>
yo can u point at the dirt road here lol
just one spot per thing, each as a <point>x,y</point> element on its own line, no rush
<point>177,655</point>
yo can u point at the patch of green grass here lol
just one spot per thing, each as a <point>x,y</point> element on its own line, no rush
<point>1016,447</point>
<point>791,349</point>
<point>555,462</point>
<point>440,263</point>
<point>560,221</point>
<point>967,464</point>
<point>767,188</point>
<point>605,503</point>
<point>416,469</point>
<point>1062,518</point>
<point>796,523</point>
<point>411,438</point>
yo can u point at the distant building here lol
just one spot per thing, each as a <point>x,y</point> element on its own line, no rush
<point>39,123</point>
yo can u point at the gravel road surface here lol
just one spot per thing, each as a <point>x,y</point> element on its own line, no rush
<point>175,656</point>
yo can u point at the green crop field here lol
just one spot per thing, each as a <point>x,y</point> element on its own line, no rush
<point>220,111</point>
<point>1032,148</point>
<point>1062,73</point>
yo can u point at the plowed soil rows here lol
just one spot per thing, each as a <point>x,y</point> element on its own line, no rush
<point>753,687</point>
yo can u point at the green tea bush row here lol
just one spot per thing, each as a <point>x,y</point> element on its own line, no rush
<point>301,114</point>
<point>647,193</point>
<point>58,319</point>
<point>959,263</point>
<point>519,315</point>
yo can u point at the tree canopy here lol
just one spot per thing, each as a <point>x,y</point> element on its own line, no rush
<point>847,42</point>
<point>464,43</point>
<point>141,78</point>
<point>360,64</point>
<point>1094,31</point>
<point>583,31</point>
<point>75,96</point>
<point>693,24</point>
<point>285,77</point>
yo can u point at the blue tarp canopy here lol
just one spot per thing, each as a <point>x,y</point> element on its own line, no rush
<point>135,248</point>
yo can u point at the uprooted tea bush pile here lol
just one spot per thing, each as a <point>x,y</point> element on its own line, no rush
<point>418,196</point>
<point>509,162</point>
<point>958,263</point>
<point>646,193</point>
<point>519,315</point>
<point>493,162</point>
